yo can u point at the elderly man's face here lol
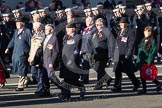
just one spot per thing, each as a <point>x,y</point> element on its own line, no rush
<point>123,25</point>
<point>48,30</point>
<point>89,21</point>
<point>99,26</point>
<point>69,31</point>
<point>36,29</point>
<point>19,25</point>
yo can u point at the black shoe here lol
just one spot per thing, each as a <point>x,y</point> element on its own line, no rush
<point>97,87</point>
<point>108,82</point>
<point>7,75</point>
<point>142,92</point>
<point>158,87</point>
<point>42,93</point>
<point>38,92</point>
<point>116,89</point>
<point>19,89</point>
<point>45,94</point>
<point>33,82</point>
<point>64,97</point>
<point>135,88</point>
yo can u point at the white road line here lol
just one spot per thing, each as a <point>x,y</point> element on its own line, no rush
<point>11,84</point>
<point>158,65</point>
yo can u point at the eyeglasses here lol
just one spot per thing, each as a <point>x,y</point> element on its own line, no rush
<point>99,24</point>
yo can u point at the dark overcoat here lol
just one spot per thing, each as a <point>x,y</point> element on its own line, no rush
<point>20,44</point>
<point>104,44</point>
<point>124,51</point>
<point>71,57</point>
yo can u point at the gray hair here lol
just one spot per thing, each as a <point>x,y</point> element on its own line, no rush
<point>37,24</point>
<point>49,26</point>
<point>100,21</point>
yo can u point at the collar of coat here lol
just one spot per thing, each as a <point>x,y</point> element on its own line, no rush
<point>125,32</point>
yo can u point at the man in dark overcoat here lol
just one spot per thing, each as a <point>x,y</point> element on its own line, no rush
<point>103,41</point>
<point>123,56</point>
<point>20,44</point>
<point>70,67</point>
<point>87,49</point>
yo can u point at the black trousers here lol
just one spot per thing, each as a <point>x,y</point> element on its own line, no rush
<point>100,69</point>
<point>71,83</point>
<point>86,66</point>
<point>126,66</point>
<point>131,76</point>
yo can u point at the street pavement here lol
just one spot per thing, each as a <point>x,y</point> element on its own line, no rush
<point>9,98</point>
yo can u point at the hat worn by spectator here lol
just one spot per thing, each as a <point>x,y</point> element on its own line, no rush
<point>45,8</point>
<point>74,7</point>
<point>94,8</point>
<point>122,7</point>
<point>71,25</point>
<point>41,10</point>
<point>33,12</point>
<point>139,7</point>
<point>100,5</point>
<point>87,10</point>
<point>148,4</point>
<point>68,9</point>
<point>6,14</point>
<point>124,20</point>
<point>20,19</point>
<point>59,11</point>
<point>116,10</point>
<point>21,9</point>
<point>117,6</point>
<point>160,7</point>
<point>16,11</point>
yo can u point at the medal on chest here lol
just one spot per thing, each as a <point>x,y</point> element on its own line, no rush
<point>124,39</point>
<point>70,41</point>
<point>100,35</point>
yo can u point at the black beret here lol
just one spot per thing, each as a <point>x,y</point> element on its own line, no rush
<point>71,25</point>
<point>124,20</point>
<point>20,19</point>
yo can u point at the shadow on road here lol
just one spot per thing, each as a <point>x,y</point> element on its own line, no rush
<point>31,99</point>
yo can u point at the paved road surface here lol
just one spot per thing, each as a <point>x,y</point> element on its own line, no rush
<point>93,99</point>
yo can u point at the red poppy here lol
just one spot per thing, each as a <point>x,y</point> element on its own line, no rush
<point>100,35</point>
